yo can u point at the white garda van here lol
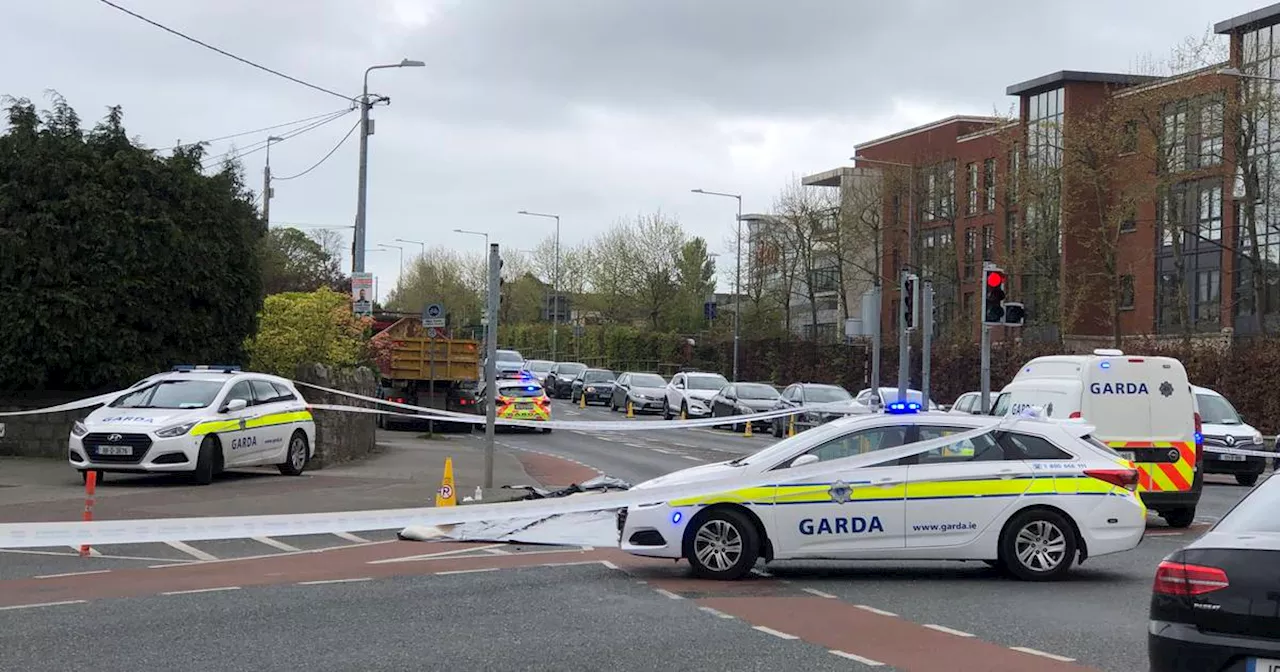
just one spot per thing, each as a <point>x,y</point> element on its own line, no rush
<point>1143,408</point>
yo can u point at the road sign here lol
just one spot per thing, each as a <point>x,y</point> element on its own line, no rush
<point>433,316</point>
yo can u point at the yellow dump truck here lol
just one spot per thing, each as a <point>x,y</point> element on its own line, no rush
<point>421,370</point>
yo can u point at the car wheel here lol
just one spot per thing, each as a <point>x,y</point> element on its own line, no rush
<point>777,428</point>
<point>204,460</point>
<point>1180,518</point>
<point>546,430</point>
<point>666,410</point>
<point>1246,479</point>
<point>684,410</point>
<point>723,544</point>
<point>295,460</point>
<point>1038,545</point>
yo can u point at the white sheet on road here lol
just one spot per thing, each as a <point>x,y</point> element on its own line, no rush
<point>587,528</point>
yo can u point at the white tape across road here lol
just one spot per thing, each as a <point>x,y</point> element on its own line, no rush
<point>76,533</point>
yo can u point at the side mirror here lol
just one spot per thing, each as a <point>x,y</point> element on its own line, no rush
<point>235,405</point>
<point>808,458</point>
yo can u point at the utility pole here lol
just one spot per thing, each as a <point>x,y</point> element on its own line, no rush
<point>906,305</point>
<point>555,281</point>
<point>490,363</point>
<point>737,281</point>
<point>266,182</point>
<point>875,343</point>
<point>926,321</point>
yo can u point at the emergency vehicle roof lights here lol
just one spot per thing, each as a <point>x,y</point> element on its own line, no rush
<point>902,408</point>
<point>1105,364</point>
<point>225,368</point>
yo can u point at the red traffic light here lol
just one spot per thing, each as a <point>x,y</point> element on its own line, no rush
<point>995,278</point>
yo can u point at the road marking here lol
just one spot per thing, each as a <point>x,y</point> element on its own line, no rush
<point>441,554</point>
<point>1034,652</point>
<point>56,554</point>
<point>351,537</point>
<point>669,594</point>
<point>633,445</point>
<point>328,581</point>
<point>664,451</point>
<point>949,631</point>
<point>819,593</point>
<point>775,633</point>
<point>496,551</point>
<point>683,445</point>
<point>468,571</point>
<point>58,576</point>
<point>715,612</point>
<point>92,551</point>
<point>856,658</point>
<point>570,564</point>
<point>873,610</point>
<point>762,572</point>
<point>608,564</point>
<point>690,457</point>
<point>42,604</point>
<point>193,552</point>
<point>201,590</point>
<point>274,543</point>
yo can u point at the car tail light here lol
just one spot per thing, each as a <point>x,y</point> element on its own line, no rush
<point>1177,578</point>
<point>398,400</point>
<point>1199,430</point>
<point>1075,415</point>
<point>1124,478</point>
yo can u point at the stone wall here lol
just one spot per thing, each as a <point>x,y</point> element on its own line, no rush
<point>340,437</point>
<point>42,435</point>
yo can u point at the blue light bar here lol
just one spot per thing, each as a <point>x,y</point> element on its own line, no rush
<point>902,407</point>
<point>187,368</point>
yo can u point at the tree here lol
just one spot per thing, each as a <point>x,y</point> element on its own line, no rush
<point>293,261</point>
<point>117,262</point>
<point>614,272</point>
<point>443,276</point>
<point>658,241</point>
<point>695,273</point>
<point>304,328</point>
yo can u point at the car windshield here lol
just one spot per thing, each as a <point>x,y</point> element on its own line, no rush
<point>707,382</point>
<point>825,394</point>
<point>1256,513</point>
<point>756,391</point>
<point>520,391</point>
<point>172,394</point>
<point>647,380</point>
<point>571,369</point>
<point>1215,410</point>
<point>509,356</point>
<point>539,365</point>
<point>597,376</point>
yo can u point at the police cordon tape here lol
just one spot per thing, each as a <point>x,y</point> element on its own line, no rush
<point>77,533</point>
<point>1240,451</point>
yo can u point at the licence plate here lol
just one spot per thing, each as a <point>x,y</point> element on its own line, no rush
<point>1229,457</point>
<point>115,450</point>
<point>1263,665</point>
<point>1125,454</point>
<point>524,407</point>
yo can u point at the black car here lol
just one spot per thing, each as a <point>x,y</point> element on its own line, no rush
<point>559,381</point>
<point>1215,604</point>
<point>643,391</point>
<point>744,399</point>
<point>595,385</point>
<point>808,394</point>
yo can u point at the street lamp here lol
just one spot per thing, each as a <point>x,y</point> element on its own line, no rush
<point>415,242</point>
<point>475,233</point>
<point>401,274</point>
<point>266,181</point>
<point>357,258</point>
<point>737,280</point>
<point>555,282</point>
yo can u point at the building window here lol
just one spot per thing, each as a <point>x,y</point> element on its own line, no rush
<point>1014,165</point>
<point>1192,134</point>
<point>1210,132</point>
<point>989,242</point>
<point>1010,232</point>
<point>1129,139</point>
<point>825,280</point>
<point>1173,137</point>
<point>1044,129</point>
<point>989,184</point>
<point>1129,224</point>
<point>970,252</point>
<point>966,304</point>
<point>1208,294</point>
<point>971,184</point>
<point>1209,225</point>
<point>1126,292</point>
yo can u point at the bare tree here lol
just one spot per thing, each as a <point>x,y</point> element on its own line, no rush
<point>658,241</point>
<point>614,272</point>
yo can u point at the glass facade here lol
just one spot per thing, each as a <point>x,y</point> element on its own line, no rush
<point>1257,191</point>
<point>1039,237</point>
<point>1189,257</point>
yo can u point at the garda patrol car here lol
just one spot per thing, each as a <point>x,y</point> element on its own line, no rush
<point>198,420</point>
<point>523,399</point>
<point>1030,497</point>
<point>1141,406</point>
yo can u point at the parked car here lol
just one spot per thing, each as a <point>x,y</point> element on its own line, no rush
<point>969,403</point>
<point>593,385</point>
<point>559,381</point>
<point>644,391</point>
<point>1222,427</point>
<point>690,393</point>
<point>1213,602</point>
<point>808,394</point>
<point>518,400</point>
<point>538,369</point>
<point>738,399</point>
<point>508,363</point>
<point>888,395</point>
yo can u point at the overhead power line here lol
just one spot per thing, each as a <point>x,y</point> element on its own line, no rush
<point>256,130</point>
<point>262,144</point>
<point>224,52</point>
<point>324,158</point>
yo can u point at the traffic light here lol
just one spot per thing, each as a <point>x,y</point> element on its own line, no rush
<point>909,303</point>
<point>1014,314</point>
<point>993,296</point>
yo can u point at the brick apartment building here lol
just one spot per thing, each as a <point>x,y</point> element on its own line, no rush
<point>1116,202</point>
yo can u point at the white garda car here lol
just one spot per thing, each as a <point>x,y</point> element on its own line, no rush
<point>197,420</point>
<point>1031,497</point>
<point>690,393</point>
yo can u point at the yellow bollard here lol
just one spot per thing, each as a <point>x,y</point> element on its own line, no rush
<point>747,433</point>
<point>683,415</point>
<point>791,425</point>
<point>582,400</point>
<point>446,495</point>
<point>631,411</point>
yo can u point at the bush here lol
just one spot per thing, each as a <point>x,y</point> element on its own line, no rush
<point>307,327</point>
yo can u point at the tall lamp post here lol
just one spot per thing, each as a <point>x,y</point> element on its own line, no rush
<point>737,280</point>
<point>357,256</point>
<point>904,340</point>
<point>401,274</point>
<point>555,283</point>
<point>419,243</point>
<point>488,319</point>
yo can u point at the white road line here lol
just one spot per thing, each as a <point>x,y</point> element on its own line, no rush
<point>441,554</point>
<point>873,610</point>
<point>275,543</point>
<point>202,590</point>
<point>570,564</point>
<point>496,551</point>
<point>608,564</point>
<point>683,445</point>
<point>58,576</point>
<point>856,658</point>
<point>329,581</point>
<point>468,571</point>
<point>949,631</point>
<point>715,612</point>
<point>775,633</point>
<point>690,457</point>
<point>42,604</point>
<point>761,572</point>
<point>1034,652</point>
<point>92,551</point>
<point>351,537</point>
<point>664,451</point>
<point>633,445</point>
<point>669,594</point>
<point>819,593</point>
<point>193,552</point>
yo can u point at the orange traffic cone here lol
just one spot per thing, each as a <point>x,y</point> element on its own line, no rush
<point>747,433</point>
<point>447,495</point>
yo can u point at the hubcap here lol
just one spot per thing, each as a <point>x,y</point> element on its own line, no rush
<point>298,453</point>
<point>718,545</point>
<point>1040,546</point>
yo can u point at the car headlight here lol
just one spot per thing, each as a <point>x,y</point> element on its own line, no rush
<point>78,429</point>
<point>1257,438</point>
<point>177,430</point>
<point>591,389</point>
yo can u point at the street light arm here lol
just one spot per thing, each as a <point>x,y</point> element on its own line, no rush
<point>716,193</point>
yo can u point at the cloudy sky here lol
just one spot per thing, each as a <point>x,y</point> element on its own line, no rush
<point>592,109</point>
